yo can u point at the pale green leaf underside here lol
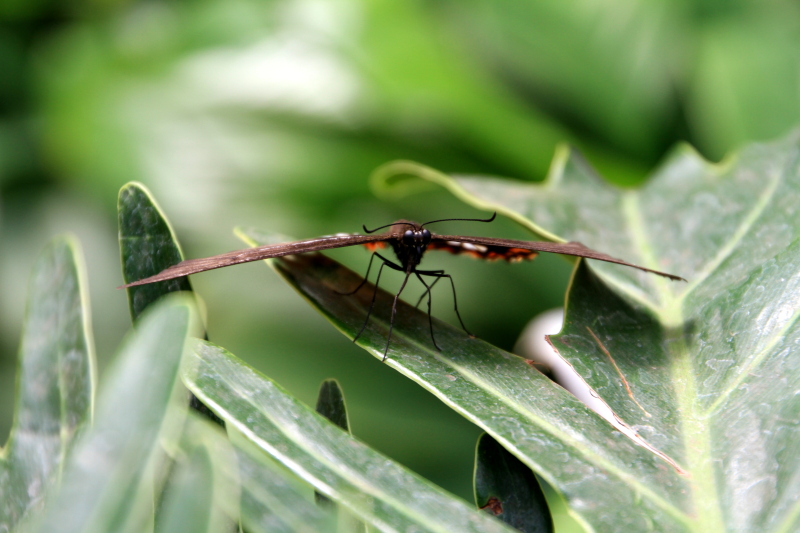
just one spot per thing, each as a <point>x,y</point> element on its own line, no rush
<point>216,479</point>
<point>188,505</point>
<point>714,360</point>
<point>248,483</point>
<point>219,480</point>
<point>55,383</point>
<point>275,500</point>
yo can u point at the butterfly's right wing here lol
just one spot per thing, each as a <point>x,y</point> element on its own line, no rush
<point>193,266</point>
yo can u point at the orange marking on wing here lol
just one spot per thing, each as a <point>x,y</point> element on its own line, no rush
<point>372,246</point>
<point>518,254</point>
<point>488,253</point>
<point>512,255</point>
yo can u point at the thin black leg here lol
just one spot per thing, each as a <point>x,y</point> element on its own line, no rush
<point>394,310</point>
<point>372,304</point>
<point>441,274</point>
<point>428,292</point>
<point>430,319</point>
<point>364,281</point>
<point>391,265</point>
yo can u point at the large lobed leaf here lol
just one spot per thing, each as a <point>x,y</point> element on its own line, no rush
<point>702,370</point>
<point>709,361</point>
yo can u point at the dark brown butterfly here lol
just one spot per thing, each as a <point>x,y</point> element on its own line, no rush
<point>409,241</point>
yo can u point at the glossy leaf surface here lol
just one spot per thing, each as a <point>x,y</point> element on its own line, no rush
<point>330,403</point>
<point>147,246</point>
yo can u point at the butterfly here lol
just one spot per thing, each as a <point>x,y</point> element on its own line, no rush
<point>409,241</point>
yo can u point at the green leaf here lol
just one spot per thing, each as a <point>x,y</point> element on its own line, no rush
<point>55,382</point>
<point>704,370</point>
<point>217,479</point>
<point>108,479</point>
<point>147,246</point>
<point>507,488</point>
<point>330,403</point>
<point>370,485</point>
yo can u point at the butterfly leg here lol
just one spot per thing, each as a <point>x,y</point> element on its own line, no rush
<point>394,311</point>
<point>391,265</point>
<point>428,292</point>
<point>366,277</point>
<point>440,274</point>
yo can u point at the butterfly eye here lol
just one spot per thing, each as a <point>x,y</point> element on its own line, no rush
<point>408,237</point>
<point>426,235</point>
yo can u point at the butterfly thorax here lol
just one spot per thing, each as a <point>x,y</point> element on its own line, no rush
<point>410,243</point>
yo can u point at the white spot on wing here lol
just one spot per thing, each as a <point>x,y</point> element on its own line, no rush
<point>469,246</point>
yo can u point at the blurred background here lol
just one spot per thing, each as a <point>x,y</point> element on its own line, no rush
<point>272,114</point>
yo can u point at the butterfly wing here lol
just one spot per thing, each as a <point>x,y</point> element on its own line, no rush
<point>512,250</point>
<point>193,266</point>
<point>487,252</point>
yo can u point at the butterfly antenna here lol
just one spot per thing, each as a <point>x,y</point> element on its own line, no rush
<point>385,226</point>
<point>494,215</point>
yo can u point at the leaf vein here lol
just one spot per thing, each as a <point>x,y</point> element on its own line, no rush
<point>727,249</point>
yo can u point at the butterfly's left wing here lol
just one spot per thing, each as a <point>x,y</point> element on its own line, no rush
<point>512,250</point>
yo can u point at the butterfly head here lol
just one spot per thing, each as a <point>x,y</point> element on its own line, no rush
<point>409,243</point>
<point>417,240</point>
<point>410,240</point>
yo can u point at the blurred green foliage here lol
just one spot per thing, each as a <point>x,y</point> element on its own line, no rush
<point>273,114</point>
